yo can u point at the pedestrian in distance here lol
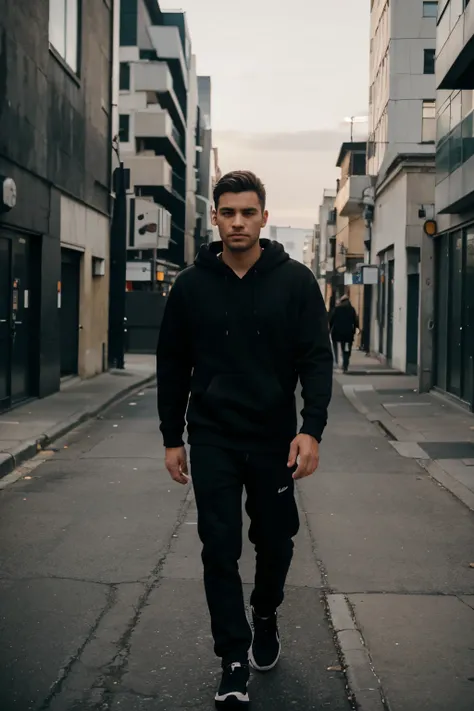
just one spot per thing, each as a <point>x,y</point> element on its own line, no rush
<point>344,323</point>
<point>240,327</point>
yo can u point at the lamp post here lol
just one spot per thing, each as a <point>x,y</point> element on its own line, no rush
<point>355,119</point>
<point>118,264</point>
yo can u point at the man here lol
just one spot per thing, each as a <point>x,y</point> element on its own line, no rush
<point>239,328</point>
<point>344,323</point>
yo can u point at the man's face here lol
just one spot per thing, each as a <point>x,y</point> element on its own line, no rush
<point>239,218</point>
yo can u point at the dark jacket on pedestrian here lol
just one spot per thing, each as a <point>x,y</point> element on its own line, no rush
<point>238,346</point>
<point>344,322</point>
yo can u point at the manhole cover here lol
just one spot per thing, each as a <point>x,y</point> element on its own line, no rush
<point>449,450</point>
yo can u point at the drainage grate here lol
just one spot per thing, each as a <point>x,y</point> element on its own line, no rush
<point>449,450</point>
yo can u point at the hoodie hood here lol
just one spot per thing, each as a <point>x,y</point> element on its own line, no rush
<point>272,256</point>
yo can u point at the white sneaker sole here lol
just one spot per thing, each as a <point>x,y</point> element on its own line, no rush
<point>233,700</point>
<point>254,664</point>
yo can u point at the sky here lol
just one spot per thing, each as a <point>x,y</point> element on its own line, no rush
<point>284,76</point>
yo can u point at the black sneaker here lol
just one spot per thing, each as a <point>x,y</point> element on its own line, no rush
<point>232,693</point>
<point>266,647</point>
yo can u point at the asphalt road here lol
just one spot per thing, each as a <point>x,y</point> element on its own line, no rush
<point>101,601</point>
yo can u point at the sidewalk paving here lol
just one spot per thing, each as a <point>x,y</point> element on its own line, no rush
<point>32,426</point>
<point>425,427</point>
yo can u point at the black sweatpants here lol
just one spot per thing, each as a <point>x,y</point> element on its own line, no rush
<point>219,477</point>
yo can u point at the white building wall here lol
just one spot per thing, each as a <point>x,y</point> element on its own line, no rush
<point>88,232</point>
<point>398,85</point>
<point>293,240</point>
<point>389,232</point>
<point>399,36</point>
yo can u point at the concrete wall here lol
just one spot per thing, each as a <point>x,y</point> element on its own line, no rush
<point>88,232</point>
<point>55,140</point>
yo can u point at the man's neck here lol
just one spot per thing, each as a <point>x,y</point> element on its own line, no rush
<point>241,262</point>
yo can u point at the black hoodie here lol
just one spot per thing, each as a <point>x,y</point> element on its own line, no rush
<point>238,346</point>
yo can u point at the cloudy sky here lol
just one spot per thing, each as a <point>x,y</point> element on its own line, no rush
<point>284,76</point>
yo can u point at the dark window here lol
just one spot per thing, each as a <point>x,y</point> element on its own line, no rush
<point>455,312</point>
<point>430,9</point>
<point>429,61</point>
<point>124,76</point>
<point>441,310</point>
<point>128,23</point>
<point>124,128</point>
<point>358,164</point>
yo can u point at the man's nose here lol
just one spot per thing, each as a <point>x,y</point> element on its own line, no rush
<point>237,221</point>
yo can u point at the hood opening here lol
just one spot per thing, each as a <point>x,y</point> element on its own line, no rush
<point>272,256</point>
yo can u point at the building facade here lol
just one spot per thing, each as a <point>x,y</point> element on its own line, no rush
<point>348,248</point>
<point>450,360</point>
<point>400,162</point>
<point>157,124</point>
<point>204,229</point>
<point>55,168</point>
<point>327,232</point>
<point>297,241</point>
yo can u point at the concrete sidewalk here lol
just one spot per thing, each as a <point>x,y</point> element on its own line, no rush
<point>30,427</point>
<point>438,434</point>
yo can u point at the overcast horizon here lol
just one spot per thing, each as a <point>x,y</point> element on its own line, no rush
<point>281,89</point>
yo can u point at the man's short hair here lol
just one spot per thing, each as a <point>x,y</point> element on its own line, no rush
<point>240,181</point>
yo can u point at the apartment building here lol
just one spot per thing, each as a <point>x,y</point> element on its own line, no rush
<point>400,161</point>
<point>452,365</point>
<point>158,115</point>
<point>204,229</point>
<point>327,231</point>
<point>297,241</point>
<point>55,166</point>
<point>348,250</point>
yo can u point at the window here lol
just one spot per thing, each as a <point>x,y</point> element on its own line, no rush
<point>430,9</point>
<point>429,61</point>
<point>124,76</point>
<point>64,30</point>
<point>428,132</point>
<point>124,128</point>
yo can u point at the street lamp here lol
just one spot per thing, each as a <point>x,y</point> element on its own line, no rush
<point>355,119</point>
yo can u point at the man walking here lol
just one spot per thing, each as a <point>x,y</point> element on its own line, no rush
<point>344,323</point>
<point>239,328</point>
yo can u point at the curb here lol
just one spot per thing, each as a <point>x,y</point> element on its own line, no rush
<point>28,449</point>
<point>364,686</point>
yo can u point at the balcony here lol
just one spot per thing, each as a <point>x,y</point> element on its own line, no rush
<point>154,129</point>
<point>156,77</point>
<point>152,176</point>
<point>455,38</point>
<point>148,170</point>
<point>166,42</point>
<point>350,196</point>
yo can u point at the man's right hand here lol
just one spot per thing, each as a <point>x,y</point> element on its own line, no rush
<point>177,464</point>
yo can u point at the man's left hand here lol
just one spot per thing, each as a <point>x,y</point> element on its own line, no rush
<point>304,450</point>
